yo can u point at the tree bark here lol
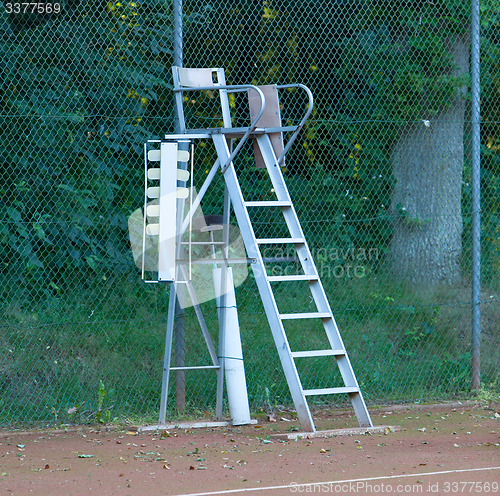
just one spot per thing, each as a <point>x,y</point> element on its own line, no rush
<point>427,161</point>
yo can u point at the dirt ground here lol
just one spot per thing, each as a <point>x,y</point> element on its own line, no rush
<point>439,450</point>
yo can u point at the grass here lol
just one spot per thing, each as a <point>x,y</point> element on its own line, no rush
<point>404,344</point>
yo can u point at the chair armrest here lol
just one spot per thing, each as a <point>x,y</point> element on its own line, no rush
<point>303,120</point>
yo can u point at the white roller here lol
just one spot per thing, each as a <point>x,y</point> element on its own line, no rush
<point>237,395</point>
<point>182,175</point>
<point>155,156</point>
<point>153,192</point>
<point>153,229</point>
<point>182,156</point>
<point>153,211</point>
<point>182,192</point>
<point>154,174</point>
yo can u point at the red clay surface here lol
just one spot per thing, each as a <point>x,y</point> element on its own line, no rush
<point>249,460</point>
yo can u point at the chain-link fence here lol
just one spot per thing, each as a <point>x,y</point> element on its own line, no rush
<point>381,179</point>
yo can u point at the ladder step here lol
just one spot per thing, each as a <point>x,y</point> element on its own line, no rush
<point>308,315</point>
<point>200,367</point>
<point>336,390</point>
<point>271,203</point>
<point>296,277</point>
<point>279,241</point>
<point>317,353</point>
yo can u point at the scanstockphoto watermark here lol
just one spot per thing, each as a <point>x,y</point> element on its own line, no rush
<point>367,487</point>
<point>357,487</point>
<point>330,262</point>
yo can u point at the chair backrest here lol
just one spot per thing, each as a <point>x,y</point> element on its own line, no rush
<point>271,117</point>
<point>192,78</point>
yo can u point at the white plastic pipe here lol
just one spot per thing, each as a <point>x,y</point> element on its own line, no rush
<point>236,385</point>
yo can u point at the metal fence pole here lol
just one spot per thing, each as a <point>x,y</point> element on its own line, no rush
<point>177,14</point>
<point>476,199</point>
<point>180,350</point>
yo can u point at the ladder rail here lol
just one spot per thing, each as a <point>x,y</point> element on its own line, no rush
<point>317,290</point>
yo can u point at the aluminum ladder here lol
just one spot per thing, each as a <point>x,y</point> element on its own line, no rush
<point>264,283</point>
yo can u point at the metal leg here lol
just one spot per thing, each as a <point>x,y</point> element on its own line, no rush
<point>168,353</point>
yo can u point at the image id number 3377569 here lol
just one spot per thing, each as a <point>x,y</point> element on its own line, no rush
<point>32,8</point>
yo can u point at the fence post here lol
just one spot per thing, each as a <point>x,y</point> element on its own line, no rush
<point>476,199</point>
<point>180,342</point>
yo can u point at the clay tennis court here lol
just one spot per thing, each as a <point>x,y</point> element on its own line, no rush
<point>438,450</point>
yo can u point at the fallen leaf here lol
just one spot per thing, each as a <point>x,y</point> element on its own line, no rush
<point>166,466</point>
<point>47,466</point>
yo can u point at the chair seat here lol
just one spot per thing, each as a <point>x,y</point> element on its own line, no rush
<point>238,132</point>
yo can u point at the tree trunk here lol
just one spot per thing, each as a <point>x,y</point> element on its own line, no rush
<point>427,162</point>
